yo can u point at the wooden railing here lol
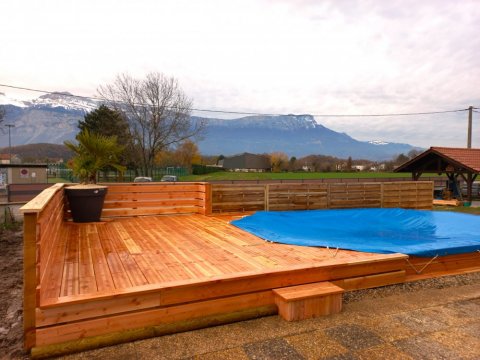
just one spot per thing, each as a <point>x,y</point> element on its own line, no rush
<point>309,196</point>
<point>24,192</point>
<point>42,227</point>
<point>135,199</point>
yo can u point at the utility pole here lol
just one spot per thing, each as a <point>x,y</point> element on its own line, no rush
<point>469,146</point>
<point>9,141</point>
<point>469,136</point>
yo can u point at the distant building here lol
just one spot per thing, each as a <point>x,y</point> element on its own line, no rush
<point>359,167</point>
<point>5,159</point>
<point>23,173</point>
<point>246,162</point>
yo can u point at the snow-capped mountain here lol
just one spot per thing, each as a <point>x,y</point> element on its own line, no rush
<point>50,118</point>
<point>378,142</point>
<point>296,135</point>
<point>53,118</point>
<point>63,100</point>
<point>286,122</point>
<point>5,100</point>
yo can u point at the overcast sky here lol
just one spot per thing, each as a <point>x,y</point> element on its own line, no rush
<point>310,56</point>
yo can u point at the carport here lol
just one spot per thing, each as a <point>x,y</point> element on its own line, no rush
<point>454,162</point>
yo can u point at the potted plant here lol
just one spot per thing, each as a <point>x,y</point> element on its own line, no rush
<point>93,152</point>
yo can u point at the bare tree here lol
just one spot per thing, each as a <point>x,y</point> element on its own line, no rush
<point>157,110</point>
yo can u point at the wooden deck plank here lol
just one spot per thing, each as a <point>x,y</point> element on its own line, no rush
<point>52,282</point>
<point>132,269</point>
<point>70,279</point>
<point>115,266</point>
<point>87,283</point>
<point>121,255</point>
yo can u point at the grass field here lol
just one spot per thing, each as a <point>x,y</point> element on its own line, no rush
<point>57,180</point>
<point>463,209</point>
<point>226,175</point>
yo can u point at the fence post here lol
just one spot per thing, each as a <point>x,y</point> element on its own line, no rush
<point>381,194</point>
<point>29,278</point>
<point>266,191</point>
<point>328,196</point>
<point>207,205</point>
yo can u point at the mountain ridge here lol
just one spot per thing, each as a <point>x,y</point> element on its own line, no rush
<point>296,135</point>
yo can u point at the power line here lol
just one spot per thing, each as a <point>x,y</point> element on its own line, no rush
<point>246,112</point>
<point>48,92</point>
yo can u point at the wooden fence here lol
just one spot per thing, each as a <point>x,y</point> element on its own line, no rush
<point>309,196</point>
<point>24,192</point>
<point>135,199</point>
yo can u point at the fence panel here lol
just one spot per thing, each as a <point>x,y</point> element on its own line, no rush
<point>297,196</point>
<point>237,198</point>
<point>132,199</point>
<point>315,195</point>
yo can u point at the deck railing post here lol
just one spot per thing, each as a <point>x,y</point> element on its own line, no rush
<point>207,205</point>
<point>381,194</point>
<point>328,196</point>
<point>29,278</point>
<point>267,197</point>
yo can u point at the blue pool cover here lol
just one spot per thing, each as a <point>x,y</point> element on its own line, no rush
<point>412,232</point>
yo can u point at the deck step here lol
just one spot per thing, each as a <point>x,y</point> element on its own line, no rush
<point>309,300</point>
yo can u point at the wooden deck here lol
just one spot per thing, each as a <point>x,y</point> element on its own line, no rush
<point>135,272</point>
<point>120,255</point>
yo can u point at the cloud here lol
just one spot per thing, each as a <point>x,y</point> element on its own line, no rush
<point>308,56</point>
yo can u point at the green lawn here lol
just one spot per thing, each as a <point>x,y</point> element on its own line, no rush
<point>226,175</point>
<point>57,180</point>
<point>462,209</point>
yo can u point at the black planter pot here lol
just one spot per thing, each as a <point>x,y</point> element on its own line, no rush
<point>86,202</point>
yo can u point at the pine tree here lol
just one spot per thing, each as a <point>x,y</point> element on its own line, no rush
<point>349,163</point>
<point>107,122</point>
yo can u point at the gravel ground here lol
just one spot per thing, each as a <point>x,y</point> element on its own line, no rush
<point>435,283</point>
<point>349,335</point>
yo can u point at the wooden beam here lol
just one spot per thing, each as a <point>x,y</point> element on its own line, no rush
<point>120,337</point>
<point>29,278</point>
<point>208,199</point>
<point>38,203</point>
<point>152,317</point>
<point>371,281</point>
<point>469,186</point>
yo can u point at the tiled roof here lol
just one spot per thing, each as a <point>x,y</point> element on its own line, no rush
<point>468,157</point>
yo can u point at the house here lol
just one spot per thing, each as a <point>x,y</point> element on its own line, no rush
<point>359,167</point>
<point>246,162</point>
<point>5,159</point>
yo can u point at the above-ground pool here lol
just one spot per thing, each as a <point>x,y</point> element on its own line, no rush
<point>411,232</point>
